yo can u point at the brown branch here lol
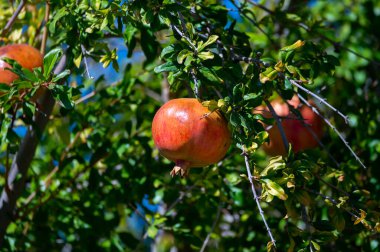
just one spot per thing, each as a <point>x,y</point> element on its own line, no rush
<point>255,196</point>
<point>321,100</point>
<point>46,31</point>
<point>23,158</point>
<point>279,125</point>
<point>10,22</point>
<point>311,131</point>
<point>332,200</point>
<point>334,129</point>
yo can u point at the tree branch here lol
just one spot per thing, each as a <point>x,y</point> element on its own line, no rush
<point>279,125</point>
<point>23,158</point>
<point>346,118</point>
<point>8,26</point>
<point>333,128</point>
<point>45,32</point>
<point>246,158</point>
<point>212,229</point>
<point>311,131</point>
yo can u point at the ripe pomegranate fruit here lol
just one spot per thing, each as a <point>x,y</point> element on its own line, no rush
<point>189,134</point>
<point>298,135</point>
<point>27,56</point>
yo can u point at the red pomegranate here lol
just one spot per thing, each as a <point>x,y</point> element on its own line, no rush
<point>27,56</point>
<point>298,135</point>
<point>189,134</point>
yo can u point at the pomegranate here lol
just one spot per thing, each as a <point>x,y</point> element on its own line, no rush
<point>189,134</point>
<point>27,56</point>
<point>298,135</point>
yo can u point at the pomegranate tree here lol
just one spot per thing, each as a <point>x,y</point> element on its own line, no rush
<point>189,134</point>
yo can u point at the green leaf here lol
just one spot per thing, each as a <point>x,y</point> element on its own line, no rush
<point>61,75</point>
<point>288,84</point>
<point>210,41</point>
<point>268,75</point>
<point>235,119</point>
<point>57,16</point>
<point>50,60</point>
<point>29,109</point>
<point>129,37</point>
<point>166,67</point>
<point>4,88</point>
<point>6,122</point>
<point>275,164</point>
<point>206,55</point>
<point>316,246</point>
<point>152,231</point>
<point>150,45</point>
<point>167,50</point>
<point>209,74</point>
<point>294,46</point>
<point>182,55</point>
<point>63,95</point>
<point>22,84</point>
<point>211,105</point>
<point>274,189</point>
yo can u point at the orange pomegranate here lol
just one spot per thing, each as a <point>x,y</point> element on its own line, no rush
<point>189,134</point>
<point>27,56</point>
<point>298,135</point>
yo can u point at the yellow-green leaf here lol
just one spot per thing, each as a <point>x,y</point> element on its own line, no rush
<point>294,46</point>
<point>274,189</point>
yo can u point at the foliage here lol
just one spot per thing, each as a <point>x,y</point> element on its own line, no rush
<point>96,173</point>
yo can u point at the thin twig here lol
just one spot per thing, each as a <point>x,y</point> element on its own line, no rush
<point>261,7</point>
<point>192,72</point>
<point>305,219</point>
<point>337,45</point>
<point>331,185</point>
<point>84,53</point>
<point>46,31</point>
<point>212,228</point>
<point>256,198</point>
<point>86,97</point>
<point>176,29</point>
<point>253,22</point>
<point>7,167</point>
<point>10,22</point>
<point>139,214</point>
<point>332,200</point>
<point>54,193</point>
<point>183,193</point>
<point>196,84</point>
<point>321,100</point>
<point>279,125</point>
<point>234,56</point>
<point>333,128</point>
<point>311,131</point>
<point>48,179</point>
<point>180,198</point>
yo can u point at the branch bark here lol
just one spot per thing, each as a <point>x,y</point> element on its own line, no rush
<point>279,125</point>
<point>8,26</point>
<point>23,158</point>
<point>256,198</point>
